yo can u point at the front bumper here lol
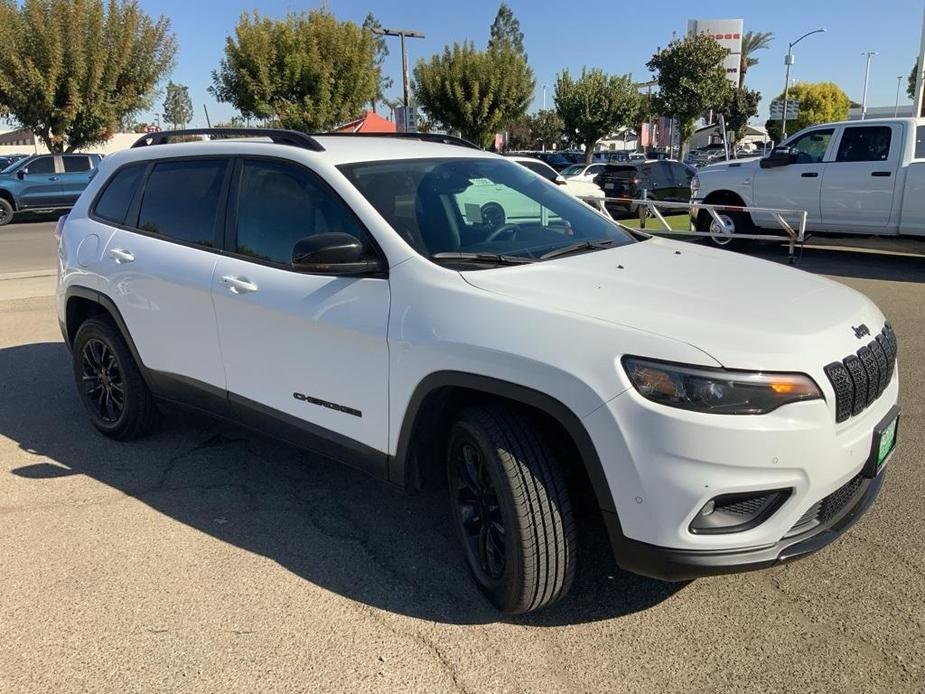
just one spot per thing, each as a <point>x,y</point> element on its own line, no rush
<point>669,564</point>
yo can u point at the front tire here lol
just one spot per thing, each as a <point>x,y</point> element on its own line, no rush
<point>510,508</point>
<point>6,212</point>
<point>110,384</point>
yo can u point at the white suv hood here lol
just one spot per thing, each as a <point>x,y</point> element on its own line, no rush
<point>745,312</point>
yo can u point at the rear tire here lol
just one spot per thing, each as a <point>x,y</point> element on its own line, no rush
<point>110,384</point>
<point>6,212</point>
<point>734,223</point>
<point>510,508</point>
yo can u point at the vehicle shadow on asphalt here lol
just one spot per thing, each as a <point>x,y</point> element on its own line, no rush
<point>325,522</point>
<point>842,262</point>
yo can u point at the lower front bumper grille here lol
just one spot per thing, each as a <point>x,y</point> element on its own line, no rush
<point>828,507</point>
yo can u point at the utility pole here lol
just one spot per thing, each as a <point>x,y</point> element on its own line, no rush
<point>788,61</point>
<point>544,97</point>
<point>403,33</point>
<point>869,54</point>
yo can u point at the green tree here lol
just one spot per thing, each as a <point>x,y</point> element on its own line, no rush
<point>520,133</point>
<point>546,128</point>
<point>178,107</point>
<point>505,31</point>
<point>738,107</point>
<point>595,105</point>
<point>382,52</point>
<point>308,70</point>
<point>910,84</point>
<point>691,80</point>
<point>819,102</point>
<point>752,41</point>
<point>474,92</point>
<point>72,70</point>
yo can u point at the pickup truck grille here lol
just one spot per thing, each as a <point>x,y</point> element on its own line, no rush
<point>861,378</point>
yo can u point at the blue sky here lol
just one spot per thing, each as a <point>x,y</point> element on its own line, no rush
<point>609,35</point>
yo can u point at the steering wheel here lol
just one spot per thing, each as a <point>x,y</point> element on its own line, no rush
<point>511,229</point>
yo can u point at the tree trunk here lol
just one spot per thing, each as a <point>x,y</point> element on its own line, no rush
<point>589,149</point>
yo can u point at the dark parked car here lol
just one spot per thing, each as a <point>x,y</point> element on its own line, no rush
<point>662,180</point>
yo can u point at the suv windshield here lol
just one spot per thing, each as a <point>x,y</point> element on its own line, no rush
<point>486,206</point>
<point>573,170</point>
<point>15,165</point>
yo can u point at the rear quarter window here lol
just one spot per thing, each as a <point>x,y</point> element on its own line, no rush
<point>114,202</point>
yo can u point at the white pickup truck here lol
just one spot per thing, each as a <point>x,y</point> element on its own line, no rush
<point>852,177</point>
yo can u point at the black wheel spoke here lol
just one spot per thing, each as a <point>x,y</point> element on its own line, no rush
<point>102,379</point>
<point>478,510</point>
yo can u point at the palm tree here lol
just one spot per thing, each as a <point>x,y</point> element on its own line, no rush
<point>752,41</point>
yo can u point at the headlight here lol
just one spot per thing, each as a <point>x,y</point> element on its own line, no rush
<point>695,184</point>
<point>717,391</point>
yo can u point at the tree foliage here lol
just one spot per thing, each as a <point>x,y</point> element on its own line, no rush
<point>474,92</point>
<point>178,107</point>
<point>505,31</point>
<point>546,128</point>
<point>752,41</point>
<point>72,70</point>
<point>520,133</point>
<point>382,52</point>
<point>910,84</point>
<point>691,80</point>
<point>308,70</point>
<point>819,102</point>
<point>737,108</point>
<point>595,104</point>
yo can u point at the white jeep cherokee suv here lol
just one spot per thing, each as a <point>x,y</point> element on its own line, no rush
<point>340,293</point>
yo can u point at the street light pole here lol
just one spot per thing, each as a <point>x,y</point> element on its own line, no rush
<point>869,54</point>
<point>899,81</point>
<point>403,33</point>
<point>788,61</point>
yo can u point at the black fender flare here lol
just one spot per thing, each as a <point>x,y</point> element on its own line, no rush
<point>98,297</point>
<point>402,473</point>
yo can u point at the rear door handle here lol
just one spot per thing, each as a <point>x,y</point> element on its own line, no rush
<point>810,174</point>
<point>53,178</point>
<point>120,255</point>
<point>881,173</point>
<point>239,285</point>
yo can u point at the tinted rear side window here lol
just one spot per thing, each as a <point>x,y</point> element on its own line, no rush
<point>920,142</point>
<point>76,164</point>
<point>113,204</point>
<point>181,200</point>
<point>867,143</point>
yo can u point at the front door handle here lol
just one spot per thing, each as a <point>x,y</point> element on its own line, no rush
<point>810,174</point>
<point>53,178</point>
<point>120,255</point>
<point>239,285</point>
<point>881,173</point>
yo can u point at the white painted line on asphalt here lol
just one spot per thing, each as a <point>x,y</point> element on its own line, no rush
<point>27,274</point>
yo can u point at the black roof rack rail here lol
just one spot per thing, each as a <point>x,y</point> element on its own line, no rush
<point>279,136</point>
<point>424,137</point>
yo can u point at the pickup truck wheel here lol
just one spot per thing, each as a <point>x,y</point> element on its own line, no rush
<point>6,212</point>
<point>733,223</point>
<point>510,508</point>
<point>110,383</point>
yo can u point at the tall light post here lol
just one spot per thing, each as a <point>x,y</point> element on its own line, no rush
<point>899,81</point>
<point>544,97</point>
<point>788,61</point>
<point>869,54</point>
<point>402,33</point>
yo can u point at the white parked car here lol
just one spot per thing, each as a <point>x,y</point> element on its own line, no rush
<point>583,172</point>
<point>720,412</point>
<point>855,177</point>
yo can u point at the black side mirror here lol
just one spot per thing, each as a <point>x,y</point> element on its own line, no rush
<point>779,156</point>
<point>335,253</point>
<point>21,174</point>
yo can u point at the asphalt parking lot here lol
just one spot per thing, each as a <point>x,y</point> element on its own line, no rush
<point>206,558</point>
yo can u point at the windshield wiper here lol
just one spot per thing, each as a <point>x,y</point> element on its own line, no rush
<point>492,258</point>
<point>576,247</point>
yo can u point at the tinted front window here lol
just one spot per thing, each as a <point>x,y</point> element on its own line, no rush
<point>113,204</point>
<point>41,165</point>
<point>811,147</point>
<point>280,203</point>
<point>76,164</point>
<point>477,205</point>
<point>868,143</point>
<point>181,200</point>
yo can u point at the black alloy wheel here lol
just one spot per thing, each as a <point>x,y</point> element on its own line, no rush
<point>479,510</point>
<point>103,386</point>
